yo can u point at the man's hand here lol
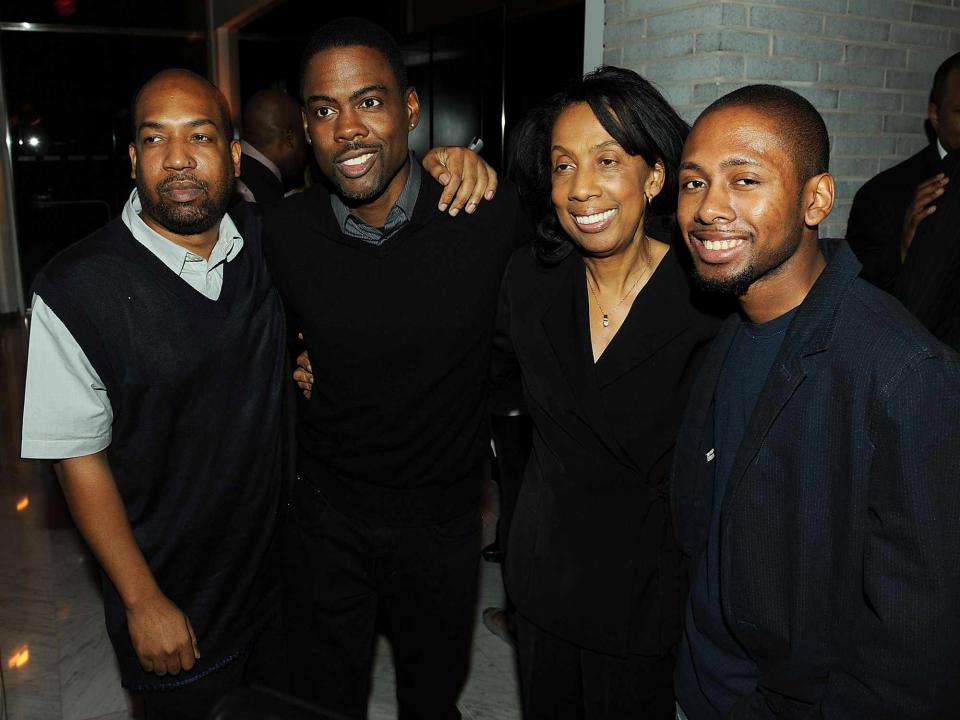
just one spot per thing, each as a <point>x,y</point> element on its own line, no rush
<point>304,374</point>
<point>162,636</point>
<point>920,209</point>
<point>465,176</point>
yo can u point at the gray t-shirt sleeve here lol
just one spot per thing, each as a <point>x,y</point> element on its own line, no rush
<point>66,411</point>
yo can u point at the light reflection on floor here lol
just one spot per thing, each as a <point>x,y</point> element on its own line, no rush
<point>56,660</point>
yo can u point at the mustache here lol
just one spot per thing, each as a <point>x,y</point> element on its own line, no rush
<point>695,226</point>
<point>353,146</point>
<point>182,178</point>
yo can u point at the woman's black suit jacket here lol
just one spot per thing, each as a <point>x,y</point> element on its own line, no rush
<point>592,556</point>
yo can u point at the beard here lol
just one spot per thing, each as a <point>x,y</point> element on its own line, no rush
<point>359,196</point>
<point>739,283</point>
<point>187,218</point>
<point>736,285</point>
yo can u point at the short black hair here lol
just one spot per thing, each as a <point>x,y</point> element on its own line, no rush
<point>939,89</point>
<point>629,108</point>
<point>225,117</point>
<point>802,126</point>
<point>349,32</point>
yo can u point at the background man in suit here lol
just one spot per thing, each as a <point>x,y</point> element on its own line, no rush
<point>929,283</point>
<point>888,209</point>
<point>274,147</point>
<point>815,482</point>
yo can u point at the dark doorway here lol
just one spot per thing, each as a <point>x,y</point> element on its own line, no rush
<point>478,67</point>
<point>68,102</point>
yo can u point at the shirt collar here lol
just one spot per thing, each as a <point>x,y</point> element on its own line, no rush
<point>228,244</point>
<point>405,203</point>
<point>941,149</point>
<point>251,151</point>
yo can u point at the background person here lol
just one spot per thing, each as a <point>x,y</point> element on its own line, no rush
<point>274,148</point>
<point>889,208</point>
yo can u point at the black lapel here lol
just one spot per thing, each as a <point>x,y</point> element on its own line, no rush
<point>566,323</point>
<point>695,461</point>
<point>785,377</point>
<point>933,162</point>
<point>808,335</point>
<point>657,316</point>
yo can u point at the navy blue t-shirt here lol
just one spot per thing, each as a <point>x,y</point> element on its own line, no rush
<point>713,670</point>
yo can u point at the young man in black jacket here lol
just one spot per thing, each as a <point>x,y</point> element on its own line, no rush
<point>396,301</point>
<point>815,479</point>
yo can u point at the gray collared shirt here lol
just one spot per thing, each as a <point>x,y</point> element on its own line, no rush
<point>400,214</point>
<point>66,410</point>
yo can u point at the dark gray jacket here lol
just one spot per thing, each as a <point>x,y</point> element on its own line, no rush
<point>840,537</point>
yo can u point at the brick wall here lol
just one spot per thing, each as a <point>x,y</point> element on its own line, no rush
<point>867,65</point>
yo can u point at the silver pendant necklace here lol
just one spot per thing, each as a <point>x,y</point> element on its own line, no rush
<point>596,298</point>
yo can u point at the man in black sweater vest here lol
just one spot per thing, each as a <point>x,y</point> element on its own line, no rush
<point>156,370</point>
<point>396,301</point>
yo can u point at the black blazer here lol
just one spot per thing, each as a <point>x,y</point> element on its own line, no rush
<point>591,553</point>
<point>840,537</point>
<point>876,217</point>
<point>261,181</point>
<point>929,282</point>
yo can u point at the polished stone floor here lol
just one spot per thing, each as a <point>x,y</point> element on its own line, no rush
<point>57,663</point>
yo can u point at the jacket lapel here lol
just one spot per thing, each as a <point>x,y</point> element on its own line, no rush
<point>692,494</point>
<point>657,316</point>
<point>785,377</point>
<point>808,335</point>
<point>566,323</point>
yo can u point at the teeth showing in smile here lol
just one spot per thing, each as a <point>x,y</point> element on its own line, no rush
<point>722,244</point>
<point>592,219</point>
<point>359,160</point>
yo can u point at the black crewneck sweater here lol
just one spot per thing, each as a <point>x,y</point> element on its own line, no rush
<point>399,337</point>
<point>196,387</point>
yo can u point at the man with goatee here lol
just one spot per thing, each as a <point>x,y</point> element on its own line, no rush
<point>815,484</point>
<point>155,375</point>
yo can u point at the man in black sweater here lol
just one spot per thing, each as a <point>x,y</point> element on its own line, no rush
<point>396,301</point>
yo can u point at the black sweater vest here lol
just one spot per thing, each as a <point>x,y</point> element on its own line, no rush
<point>399,338</point>
<point>196,391</point>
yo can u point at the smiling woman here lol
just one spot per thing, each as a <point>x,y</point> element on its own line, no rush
<point>601,323</point>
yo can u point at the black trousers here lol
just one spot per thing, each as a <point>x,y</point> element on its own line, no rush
<point>263,664</point>
<point>563,681</point>
<point>345,579</point>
